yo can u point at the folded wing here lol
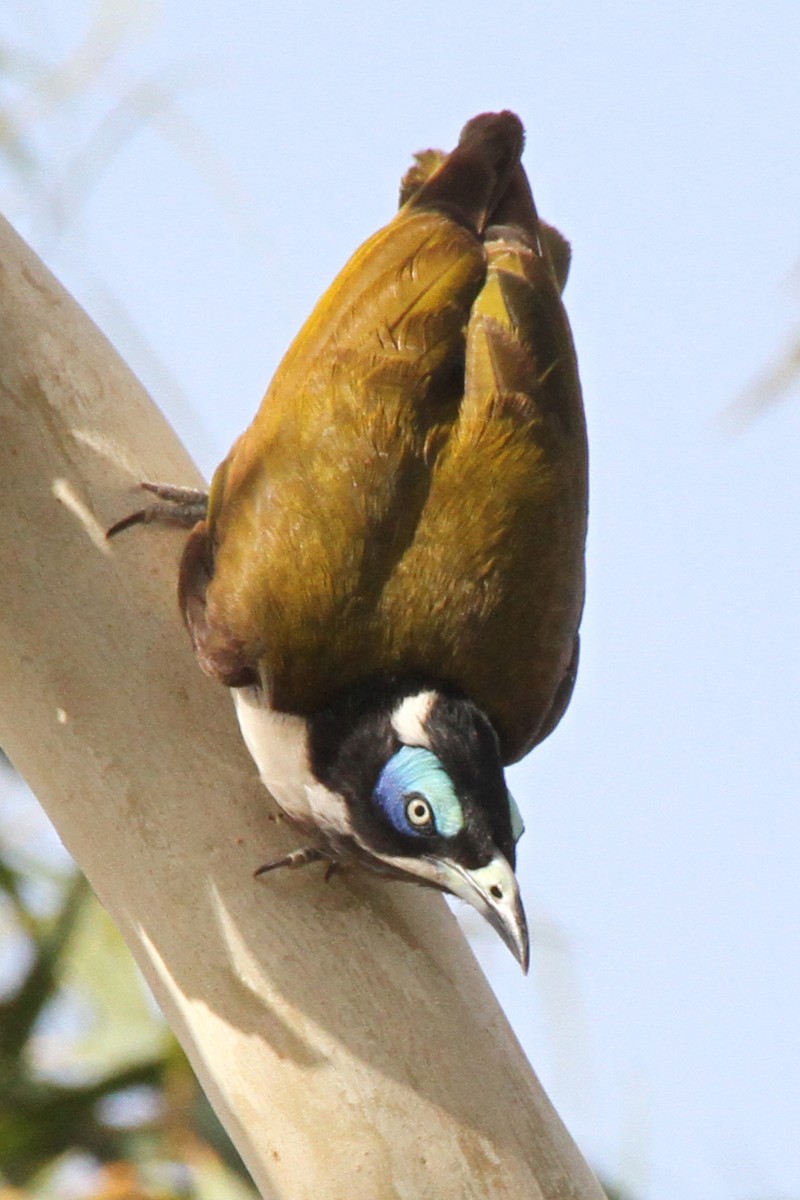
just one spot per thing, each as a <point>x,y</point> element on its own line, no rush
<point>411,496</point>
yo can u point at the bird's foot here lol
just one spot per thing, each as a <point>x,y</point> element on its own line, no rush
<point>180,507</point>
<point>297,858</point>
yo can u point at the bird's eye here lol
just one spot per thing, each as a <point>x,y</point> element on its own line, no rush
<point>416,796</point>
<point>418,810</point>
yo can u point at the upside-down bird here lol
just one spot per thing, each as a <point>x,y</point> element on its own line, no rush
<point>388,570</point>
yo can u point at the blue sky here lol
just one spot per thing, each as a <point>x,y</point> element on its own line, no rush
<point>197,192</point>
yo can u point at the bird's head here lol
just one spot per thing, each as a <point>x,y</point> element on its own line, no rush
<point>413,783</point>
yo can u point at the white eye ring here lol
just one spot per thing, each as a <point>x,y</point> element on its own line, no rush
<point>418,810</point>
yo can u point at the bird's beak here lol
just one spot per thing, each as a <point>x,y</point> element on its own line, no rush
<point>492,890</point>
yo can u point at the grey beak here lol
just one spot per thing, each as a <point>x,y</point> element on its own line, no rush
<point>494,892</point>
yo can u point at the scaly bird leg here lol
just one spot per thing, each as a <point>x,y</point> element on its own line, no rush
<point>297,858</point>
<point>183,508</point>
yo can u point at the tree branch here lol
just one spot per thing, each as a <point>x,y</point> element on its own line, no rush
<point>343,1031</point>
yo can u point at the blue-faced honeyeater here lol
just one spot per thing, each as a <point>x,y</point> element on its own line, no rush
<point>389,568</point>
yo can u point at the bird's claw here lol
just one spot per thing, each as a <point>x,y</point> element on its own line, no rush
<point>181,508</point>
<point>298,858</point>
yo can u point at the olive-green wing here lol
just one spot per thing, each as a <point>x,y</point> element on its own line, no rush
<point>490,594</point>
<point>320,499</point>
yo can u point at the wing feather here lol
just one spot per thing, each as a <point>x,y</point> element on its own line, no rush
<point>411,496</point>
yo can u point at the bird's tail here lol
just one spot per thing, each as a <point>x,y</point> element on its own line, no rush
<point>483,185</point>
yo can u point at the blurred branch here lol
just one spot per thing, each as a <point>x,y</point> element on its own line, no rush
<point>49,87</point>
<point>770,387</point>
<point>19,1014</point>
<point>60,182</point>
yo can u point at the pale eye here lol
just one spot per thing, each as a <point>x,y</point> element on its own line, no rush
<point>418,810</point>
<point>416,796</point>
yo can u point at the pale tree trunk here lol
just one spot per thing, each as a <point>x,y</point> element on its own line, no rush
<point>343,1031</point>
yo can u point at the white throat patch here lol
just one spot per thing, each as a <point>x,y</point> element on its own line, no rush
<point>278,743</point>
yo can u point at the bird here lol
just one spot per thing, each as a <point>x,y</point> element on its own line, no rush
<point>388,570</point>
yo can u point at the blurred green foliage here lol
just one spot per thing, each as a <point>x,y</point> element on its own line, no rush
<point>93,1087</point>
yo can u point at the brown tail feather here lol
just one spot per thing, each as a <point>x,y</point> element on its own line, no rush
<point>471,180</point>
<point>483,184</point>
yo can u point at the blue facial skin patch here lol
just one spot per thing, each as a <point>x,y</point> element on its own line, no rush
<point>416,771</point>
<point>517,823</point>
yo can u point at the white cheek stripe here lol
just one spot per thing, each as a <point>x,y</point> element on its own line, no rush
<point>328,808</point>
<point>410,717</point>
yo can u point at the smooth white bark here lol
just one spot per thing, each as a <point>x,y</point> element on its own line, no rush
<point>343,1031</point>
